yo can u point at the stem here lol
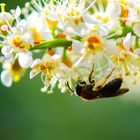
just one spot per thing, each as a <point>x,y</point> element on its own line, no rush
<point>53,43</point>
<point>126,30</point>
<point>137,43</point>
<point>64,55</point>
<point>0,46</point>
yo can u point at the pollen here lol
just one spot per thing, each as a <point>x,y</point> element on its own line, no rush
<point>51,23</point>
<point>67,61</point>
<point>16,71</point>
<point>47,66</point>
<point>124,11</point>
<point>121,46</point>
<point>37,37</point>
<point>20,44</point>
<point>4,17</point>
<point>138,11</point>
<point>61,35</point>
<point>2,7</point>
<point>69,48</point>
<point>103,19</point>
<point>93,43</point>
<point>125,14</point>
<point>51,51</point>
<point>75,14</point>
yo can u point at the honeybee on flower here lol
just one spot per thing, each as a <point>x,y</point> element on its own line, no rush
<point>61,40</point>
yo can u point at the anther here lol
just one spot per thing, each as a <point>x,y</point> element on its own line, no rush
<point>2,7</point>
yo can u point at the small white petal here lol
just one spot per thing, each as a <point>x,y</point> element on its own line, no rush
<point>127,41</point>
<point>77,46</point>
<point>6,51</point>
<point>103,30</point>
<point>6,79</point>
<point>33,74</point>
<point>55,57</point>
<point>35,62</point>
<point>25,60</point>
<point>114,9</point>
<point>137,29</point>
<point>18,12</point>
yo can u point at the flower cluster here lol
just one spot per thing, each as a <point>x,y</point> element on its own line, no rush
<point>62,39</point>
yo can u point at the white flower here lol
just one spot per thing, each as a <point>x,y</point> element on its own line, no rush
<point>77,46</point>
<point>127,41</point>
<point>17,12</point>
<point>103,20</point>
<point>6,78</point>
<point>25,60</point>
<point>12,72</point>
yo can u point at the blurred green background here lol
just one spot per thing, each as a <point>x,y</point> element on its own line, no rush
<point>28,114</point>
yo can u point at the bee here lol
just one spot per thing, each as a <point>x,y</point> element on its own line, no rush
<point>100,89</point>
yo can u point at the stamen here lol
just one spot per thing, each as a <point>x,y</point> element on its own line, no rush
<point>129,8</point>
<point>126,68</point>
<point>114,34</point>
<point>79,61</point>
<point>90,5</point>
<point>8,26</point>
<point>52,1</point>
<point>95,9</point>
<point>2,7</point>
<point>2,36</point>
<point>44,2</point>
<point>80,3</point>
<point>100,5</point>
<point>70,1</point>
<point>36,5</point>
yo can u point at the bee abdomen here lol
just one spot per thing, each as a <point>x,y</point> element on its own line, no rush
<point>112,89</point>
<point>113,85</point>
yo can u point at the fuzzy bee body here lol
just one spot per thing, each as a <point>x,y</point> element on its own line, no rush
<point>101,89</point>
<point>86,92</point>
<point>111,89</point>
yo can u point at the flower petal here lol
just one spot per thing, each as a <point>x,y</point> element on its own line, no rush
<point>6,78</point>
<point>25,60</point>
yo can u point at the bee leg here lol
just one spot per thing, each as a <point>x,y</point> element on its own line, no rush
<point>90,75</point>
<point>101,83</point>
<point>69,87</point>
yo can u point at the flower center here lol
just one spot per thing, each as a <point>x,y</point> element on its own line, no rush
<point>93,43</point>
<point>75,14</point>
<point>16,71</point>
<point>37,37</point>
<point>102,18</point>
<point>47,67</point>
<point>21,44</point>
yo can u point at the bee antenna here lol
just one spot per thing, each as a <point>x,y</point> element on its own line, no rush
<point>69,87</point>
<point>90,76</point>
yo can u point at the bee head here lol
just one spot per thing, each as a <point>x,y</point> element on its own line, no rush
<point>79,87</point>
